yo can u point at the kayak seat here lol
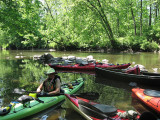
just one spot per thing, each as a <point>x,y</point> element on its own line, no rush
<point>100,108</point>
<point>153,93</point>
<point>107,109</point>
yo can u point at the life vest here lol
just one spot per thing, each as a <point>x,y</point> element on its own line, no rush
<point>49,86</point>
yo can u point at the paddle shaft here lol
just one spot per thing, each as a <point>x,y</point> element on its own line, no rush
<point>87,95</point>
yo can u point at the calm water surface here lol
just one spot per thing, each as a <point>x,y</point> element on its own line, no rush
<point>19,70</point>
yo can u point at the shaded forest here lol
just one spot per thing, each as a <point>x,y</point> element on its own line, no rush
<point>132,25</point>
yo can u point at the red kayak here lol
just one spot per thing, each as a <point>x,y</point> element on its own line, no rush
<point>151,98</point>
<point>90,66</point>
<point>94,111</point>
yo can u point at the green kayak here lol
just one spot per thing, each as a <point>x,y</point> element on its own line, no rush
<point>19,110</point>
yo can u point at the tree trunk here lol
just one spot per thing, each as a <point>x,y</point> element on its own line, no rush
<point>104,21</point>
<point>156,12</point>
<point>150,15</point>
<point>49,10</point>
<point>141,20</point>
<point>118,24</point>
<point>133,21</point>
<point>156,9</point>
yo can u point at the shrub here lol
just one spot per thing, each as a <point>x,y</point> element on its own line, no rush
<point>123,43</point>
<point>149,46</point>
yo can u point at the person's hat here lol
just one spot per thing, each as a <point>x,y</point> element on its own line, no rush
<point>50,71</point>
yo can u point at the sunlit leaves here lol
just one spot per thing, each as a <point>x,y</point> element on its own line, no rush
<point>20,18</point>
<point>63,23</point>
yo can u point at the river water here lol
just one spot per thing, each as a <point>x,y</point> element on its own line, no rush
<point>18,69</point>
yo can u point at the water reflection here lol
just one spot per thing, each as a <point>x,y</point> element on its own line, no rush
<point>28,74</point>
<point>149,60</point>
<point>49,114</point>
<point>77,71</point>
<point>119,83</point>
<point>72,115</point>
<point>141,107</point>
<point>113,83</point>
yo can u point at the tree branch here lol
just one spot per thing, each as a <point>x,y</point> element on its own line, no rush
<point>102,19</point>
<point>49,10</point>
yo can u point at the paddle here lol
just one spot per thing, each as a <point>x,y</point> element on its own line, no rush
<point>92,111</point>
<point>86,95</point>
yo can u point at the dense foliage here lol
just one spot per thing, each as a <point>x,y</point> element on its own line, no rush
<point>80,24</point>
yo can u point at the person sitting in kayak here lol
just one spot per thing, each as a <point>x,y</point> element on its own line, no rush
<point>52,85</point>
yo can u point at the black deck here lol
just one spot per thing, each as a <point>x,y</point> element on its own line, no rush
<point>146,79</point>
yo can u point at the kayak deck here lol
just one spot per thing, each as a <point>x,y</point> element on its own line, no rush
<point>152,100</point>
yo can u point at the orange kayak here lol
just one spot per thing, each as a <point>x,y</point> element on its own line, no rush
<point>150,98</point>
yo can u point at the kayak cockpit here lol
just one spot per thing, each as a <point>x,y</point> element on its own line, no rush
<point>100,108</point>
<point>107,109</point>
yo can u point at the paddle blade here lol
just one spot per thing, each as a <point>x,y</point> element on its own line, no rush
<point>22,91</point>
<point>88,95</point>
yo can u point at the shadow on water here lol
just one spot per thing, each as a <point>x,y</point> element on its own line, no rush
<point>113,83</point>
<point>141,107</point>
<point>52,113</point>
<point>123,84</point>
<point>72,115</point>
<point>135,103</point>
